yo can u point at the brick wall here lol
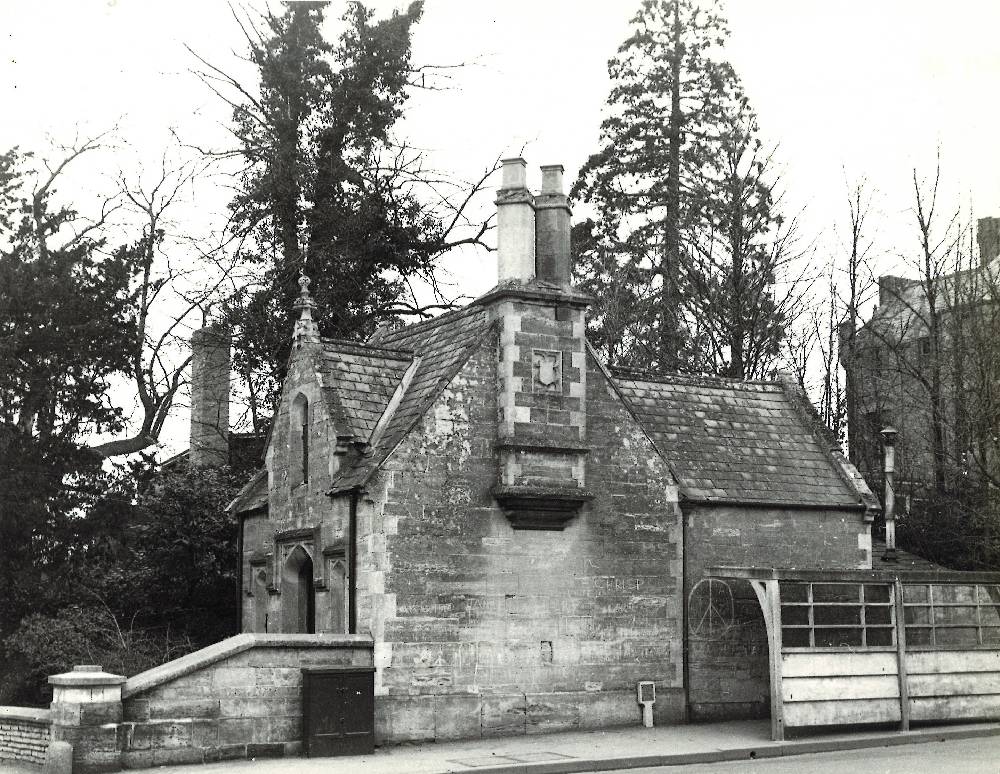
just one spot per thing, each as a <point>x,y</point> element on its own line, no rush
<point>483,630</point>
<point>241,698</point>
<point>727,656</point>
<point>24,734</point>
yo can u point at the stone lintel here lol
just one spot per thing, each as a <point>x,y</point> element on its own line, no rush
<point>541,445</point>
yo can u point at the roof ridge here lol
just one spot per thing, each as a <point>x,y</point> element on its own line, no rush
<point>635,374</point>
<point>433,322</point>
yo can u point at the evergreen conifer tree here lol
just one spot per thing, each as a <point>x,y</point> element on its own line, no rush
<point>659,139</point>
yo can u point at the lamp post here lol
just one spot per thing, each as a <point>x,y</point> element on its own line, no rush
<point>889,445</point>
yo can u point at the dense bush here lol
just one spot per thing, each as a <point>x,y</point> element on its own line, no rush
<point>49,644</point>
<point>148,572</point>
<point>960,531</point>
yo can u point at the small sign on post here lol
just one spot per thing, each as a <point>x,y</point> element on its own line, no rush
<point>646,696</point>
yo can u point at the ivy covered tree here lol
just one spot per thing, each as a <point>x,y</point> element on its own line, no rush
<point>150,574</point>
<point>327,186</point>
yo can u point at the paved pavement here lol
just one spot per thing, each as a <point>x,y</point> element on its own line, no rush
<point>614,749</point>
<point>970,756</point>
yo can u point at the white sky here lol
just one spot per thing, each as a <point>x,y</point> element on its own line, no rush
<point>871,87</point>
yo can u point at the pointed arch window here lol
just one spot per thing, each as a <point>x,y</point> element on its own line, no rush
<point>299,439</point>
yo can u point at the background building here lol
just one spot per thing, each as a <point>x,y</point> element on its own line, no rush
<point>927,364</point>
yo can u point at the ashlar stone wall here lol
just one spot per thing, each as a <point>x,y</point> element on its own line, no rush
<point>481,629</point>
<point>301,515</point>
<point>241,698</point>
<point>727,641</point>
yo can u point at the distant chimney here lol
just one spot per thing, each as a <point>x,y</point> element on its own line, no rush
<point>515,224</point>
<point>890,288</point>
<point>988,236</point>
<point>210,367</point>
<point>552,228</point>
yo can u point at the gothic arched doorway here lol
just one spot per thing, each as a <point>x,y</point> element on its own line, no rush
<point>298,598</point>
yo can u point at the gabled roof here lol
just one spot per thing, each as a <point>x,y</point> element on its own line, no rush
<point>358,383</point>
<point>740,442</point>
<point>442,345</point>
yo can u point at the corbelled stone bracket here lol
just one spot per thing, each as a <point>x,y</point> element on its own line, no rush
<point>540,509</point>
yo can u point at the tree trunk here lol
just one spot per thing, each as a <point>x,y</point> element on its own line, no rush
<point>669,343</point>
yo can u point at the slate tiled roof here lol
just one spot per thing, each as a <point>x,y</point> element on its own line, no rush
<point>252,496</point>
<point>358,383</point>
<point>442,346</point>
<point>736,441</point>
<point>904,560</point>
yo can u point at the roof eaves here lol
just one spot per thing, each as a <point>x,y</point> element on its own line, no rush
<point>246,490</point>
<point>847,473</point>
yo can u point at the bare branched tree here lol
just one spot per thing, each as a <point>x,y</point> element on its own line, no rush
<point>179,278</point>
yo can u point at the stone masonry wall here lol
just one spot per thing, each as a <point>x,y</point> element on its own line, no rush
<point>24,734</point>
<point>727,642</point>
<point>484,630</point>
<point>244,705</point>
<point>300,514</point>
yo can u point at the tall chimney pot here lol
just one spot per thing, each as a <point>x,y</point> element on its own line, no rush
<point>552,228</point>
<point>515,174</point>
<point>515,224</point>
<point>552,178</point>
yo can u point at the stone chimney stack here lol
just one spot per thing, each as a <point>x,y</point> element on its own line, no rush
<point>552,228</point>
<point>515,224</point>
<point>988,236</point>
<point>210,371</point>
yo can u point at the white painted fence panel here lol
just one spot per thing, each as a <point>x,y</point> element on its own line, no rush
<point>824,688</point>
<point>839,688</point>
<point>936,662</point>
<point>832,713</point>
<point>829,664</point>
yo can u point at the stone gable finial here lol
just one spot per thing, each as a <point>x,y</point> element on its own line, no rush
<point>306,329</point>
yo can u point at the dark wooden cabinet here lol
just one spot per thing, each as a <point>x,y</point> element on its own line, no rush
<point>338,710</point>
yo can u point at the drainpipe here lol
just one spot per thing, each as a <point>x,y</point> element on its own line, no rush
<point>240,525</point>
<point>889,444</point>
<point>685,590</point>
<point>352,563</point>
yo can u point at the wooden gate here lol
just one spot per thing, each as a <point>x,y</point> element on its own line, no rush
<point>338,711</point>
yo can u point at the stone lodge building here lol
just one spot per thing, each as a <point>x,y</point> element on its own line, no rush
<point>523,531</point>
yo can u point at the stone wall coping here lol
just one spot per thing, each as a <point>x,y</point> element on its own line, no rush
<point>30,714</point>
<point>82,677</point>
<point>232,646</point>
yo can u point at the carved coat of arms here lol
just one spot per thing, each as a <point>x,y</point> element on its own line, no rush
<point>547,369</point>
